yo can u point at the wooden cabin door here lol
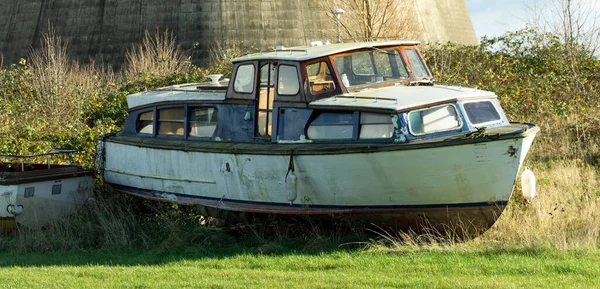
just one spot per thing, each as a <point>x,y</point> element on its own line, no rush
<point>264,99</point>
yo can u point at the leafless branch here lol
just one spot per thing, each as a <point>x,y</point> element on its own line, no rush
<point>366,19</point>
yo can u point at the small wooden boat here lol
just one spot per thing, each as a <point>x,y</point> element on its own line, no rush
<point>36,194</point>
<point>353,130</point>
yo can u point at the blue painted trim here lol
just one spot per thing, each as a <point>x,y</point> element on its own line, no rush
<point>154,121</point>
<point>186,122</point>
<point>465,123</point>
<point>462,205</point>
<point>356,129</point>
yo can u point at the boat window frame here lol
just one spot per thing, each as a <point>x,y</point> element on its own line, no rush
<point>231,93</point>
<point>458,115</point>
<point>252,81</point>
<point>188,124</point>
<point>299,96</point>
<point>137,118</point>
<point>421,59</point>
<point>278,80</point>
<point>401,54</point>
<point>317,113</point>
<point>361,124</point>
<point>483,124</point>
<point>307,90</point>
<point>156,121</point>
<point>307,96</point>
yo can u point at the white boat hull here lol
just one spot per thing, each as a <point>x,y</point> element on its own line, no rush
<point>474,179</point>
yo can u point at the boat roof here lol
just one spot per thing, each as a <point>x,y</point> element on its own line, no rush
<point>184,92</point>
<point>302,53</point>
<point>402,97</point>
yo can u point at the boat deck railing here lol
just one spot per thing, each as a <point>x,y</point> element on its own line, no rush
<point>47,154</point>
<point>373,39</point>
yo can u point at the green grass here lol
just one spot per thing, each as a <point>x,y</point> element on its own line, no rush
<point>243,267</point>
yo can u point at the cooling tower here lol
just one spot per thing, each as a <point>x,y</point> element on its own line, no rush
<point>104,29</point>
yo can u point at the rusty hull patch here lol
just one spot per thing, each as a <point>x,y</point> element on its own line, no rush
<point>478,217</point>
<point>7,224</point>
<point>512,151</point>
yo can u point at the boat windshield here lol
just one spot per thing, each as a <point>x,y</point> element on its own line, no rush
<point>371,67</point>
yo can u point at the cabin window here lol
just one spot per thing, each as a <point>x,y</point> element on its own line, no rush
<point>418,66</point>
<point>435,119</point>
<point>57,189</point>
<point>145,123</point>
<point>288,80</point>
<point>339,64</point>
<point>375,125</point>
<point>361,63</point>
<point>203,122</point>
<point>369,67</point>
<point>319,78</point>
<point>29,192</point>
<point>331,126</point>
<point>244,79</point>
<point>389,64</point>
<point>481,112</point>
<point>170,121</point>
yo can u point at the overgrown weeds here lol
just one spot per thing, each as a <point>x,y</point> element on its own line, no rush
<point>158,56</point>
<point>564,215</point>
<point>222,53</point>
<point>53,83</point>
<point>115,221</point>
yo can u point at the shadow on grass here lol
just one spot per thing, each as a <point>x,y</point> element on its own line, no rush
<point>225,245</point>
<point>129,256</point>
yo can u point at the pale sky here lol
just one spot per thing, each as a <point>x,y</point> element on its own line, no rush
<point>493,18</point>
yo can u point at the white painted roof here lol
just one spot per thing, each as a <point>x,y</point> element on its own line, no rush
<point>302,53</point>
<point>402,97</point>
<point>184,92</point>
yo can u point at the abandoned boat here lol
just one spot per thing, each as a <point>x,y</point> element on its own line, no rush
<point>35,194</point>
<point>350,129</point>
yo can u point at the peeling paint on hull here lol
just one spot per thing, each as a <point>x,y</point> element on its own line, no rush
<point>443,183</point>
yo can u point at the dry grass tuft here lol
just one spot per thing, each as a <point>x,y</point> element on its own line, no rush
<point>565,138</point>
<point>106,222</point>
<point>158,56</point>
<point>564,215</point>
<point>61,89</point>
<point>50,69</point>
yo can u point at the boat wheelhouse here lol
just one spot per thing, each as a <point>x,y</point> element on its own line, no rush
<point>351,129</point>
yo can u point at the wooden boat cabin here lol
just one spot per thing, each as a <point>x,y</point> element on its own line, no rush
<point>349,92</point>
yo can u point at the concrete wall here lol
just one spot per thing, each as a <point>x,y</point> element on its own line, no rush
<point>105,29</point>
<point>445,20</point>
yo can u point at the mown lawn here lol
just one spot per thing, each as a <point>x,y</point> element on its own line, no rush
<point>340,268</point>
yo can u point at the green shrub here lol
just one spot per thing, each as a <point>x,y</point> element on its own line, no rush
<point>536,81</point>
